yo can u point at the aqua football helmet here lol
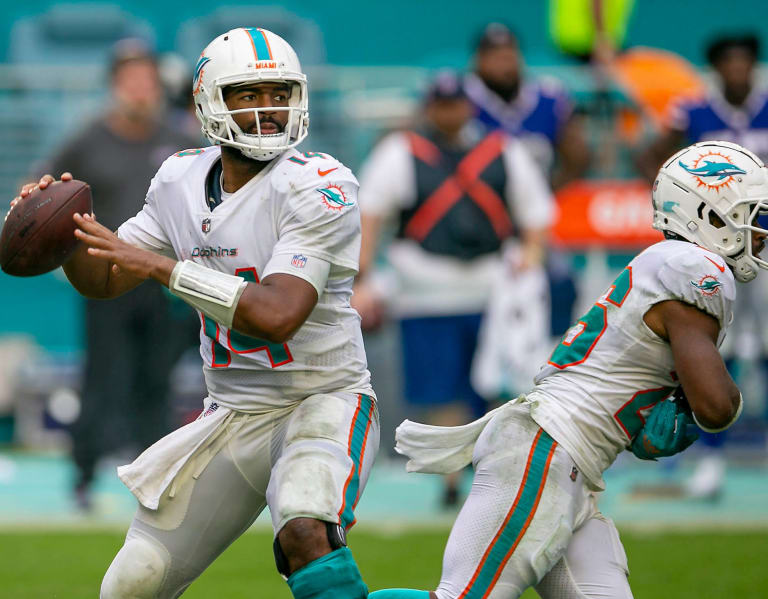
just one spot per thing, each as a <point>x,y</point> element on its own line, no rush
<point>249,55</point>
<point>711,194</point>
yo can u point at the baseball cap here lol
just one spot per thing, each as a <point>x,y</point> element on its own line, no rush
<point>496,35</point>
<point>446,85</point>
<point>127,50</point>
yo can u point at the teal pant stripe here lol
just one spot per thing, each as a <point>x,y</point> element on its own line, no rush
<point>517,521</point>
<point>399,594</point>
<point>259,44</point>
<point>360,427</point>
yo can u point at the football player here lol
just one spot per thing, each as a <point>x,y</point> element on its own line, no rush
<point>263,240</point>
<point>530,519</point>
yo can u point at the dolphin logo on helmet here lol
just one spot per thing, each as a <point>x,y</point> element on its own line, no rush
<point>721,170</point>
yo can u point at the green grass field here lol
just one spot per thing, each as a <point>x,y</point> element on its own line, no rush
<point>69,565</point>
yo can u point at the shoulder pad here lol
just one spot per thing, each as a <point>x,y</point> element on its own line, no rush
<point>303,171</point>
<point>178,164</point>
<point>697,276</point>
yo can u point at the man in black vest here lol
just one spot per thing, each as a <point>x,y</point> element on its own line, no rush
<point>455,196</point>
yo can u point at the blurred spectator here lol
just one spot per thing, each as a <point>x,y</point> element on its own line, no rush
<point>175,76</point>
<point>130,346</point>
<point>734,109</point>
<point>539,112</point>
<point>457,195</point>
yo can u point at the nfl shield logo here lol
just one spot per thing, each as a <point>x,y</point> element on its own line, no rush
<point>206,226</point>
<point>299,261</point>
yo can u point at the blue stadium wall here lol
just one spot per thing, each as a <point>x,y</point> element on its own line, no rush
<point>440,32</point>
<point>427,33</point>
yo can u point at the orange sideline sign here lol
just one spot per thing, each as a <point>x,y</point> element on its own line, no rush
<point>606,214</point>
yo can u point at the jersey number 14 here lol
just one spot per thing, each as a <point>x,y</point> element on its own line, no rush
<point>221,348</point>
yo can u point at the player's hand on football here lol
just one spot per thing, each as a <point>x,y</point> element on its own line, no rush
<point>44,182</point>
<point>665,432</point>
<point>103,243</point>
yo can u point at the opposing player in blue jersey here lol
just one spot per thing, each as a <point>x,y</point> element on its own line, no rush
<point>530,519</point>
<point>264,242</point>
<point>536,111</point>
<point>735,108</point>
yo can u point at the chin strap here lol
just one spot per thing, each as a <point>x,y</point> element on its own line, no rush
<point>744,269</point>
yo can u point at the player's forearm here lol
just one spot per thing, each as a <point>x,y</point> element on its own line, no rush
<point>87,274</point>
<point>266,314</point>
<point>712,395</point>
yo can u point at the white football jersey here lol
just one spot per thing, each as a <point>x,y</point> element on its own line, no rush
<point>610,369</point>
<point>298,216</point>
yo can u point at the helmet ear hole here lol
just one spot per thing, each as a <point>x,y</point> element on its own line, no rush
<point>715,220</point>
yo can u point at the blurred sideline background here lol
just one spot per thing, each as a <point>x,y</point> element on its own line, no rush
<point>367,65</point>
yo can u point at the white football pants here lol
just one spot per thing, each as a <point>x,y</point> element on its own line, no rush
<point>529,521</point>
<point>312,461</point>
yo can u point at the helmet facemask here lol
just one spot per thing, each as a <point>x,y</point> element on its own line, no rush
<point>745,263</point>
<point>223,129</point>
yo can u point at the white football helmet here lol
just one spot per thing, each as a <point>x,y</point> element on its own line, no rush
<point>249,55</point>
<point>710,194</point>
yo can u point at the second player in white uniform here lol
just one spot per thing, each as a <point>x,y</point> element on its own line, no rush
<point>264,241</point>
<point>530,519</point>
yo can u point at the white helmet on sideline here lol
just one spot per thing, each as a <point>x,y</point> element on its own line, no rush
<point>710,194</point>
<point>249,55</point>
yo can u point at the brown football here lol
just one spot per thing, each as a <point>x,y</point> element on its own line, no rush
<point>39,233</point>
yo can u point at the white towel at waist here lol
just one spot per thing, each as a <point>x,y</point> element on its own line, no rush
<point>441,449</point>
<point>150,474</point>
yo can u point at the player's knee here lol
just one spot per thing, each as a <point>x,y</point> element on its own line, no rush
<point>137,572</point>
<point>306,482</point>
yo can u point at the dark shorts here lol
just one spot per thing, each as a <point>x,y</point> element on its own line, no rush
<point>437,357</point>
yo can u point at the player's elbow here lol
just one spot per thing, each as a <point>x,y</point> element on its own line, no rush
<point>718,413</point>
<point>280,335</point>
<point>279,329</point>
<point>94,290</point>
<point>283,328</point>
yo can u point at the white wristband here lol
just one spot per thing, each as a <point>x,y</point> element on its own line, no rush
<point>717,430</point>
<point>212,292</point>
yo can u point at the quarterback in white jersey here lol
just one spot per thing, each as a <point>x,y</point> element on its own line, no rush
<point>530,519</point>
<point>264,242</point>
<point>290,218</point>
